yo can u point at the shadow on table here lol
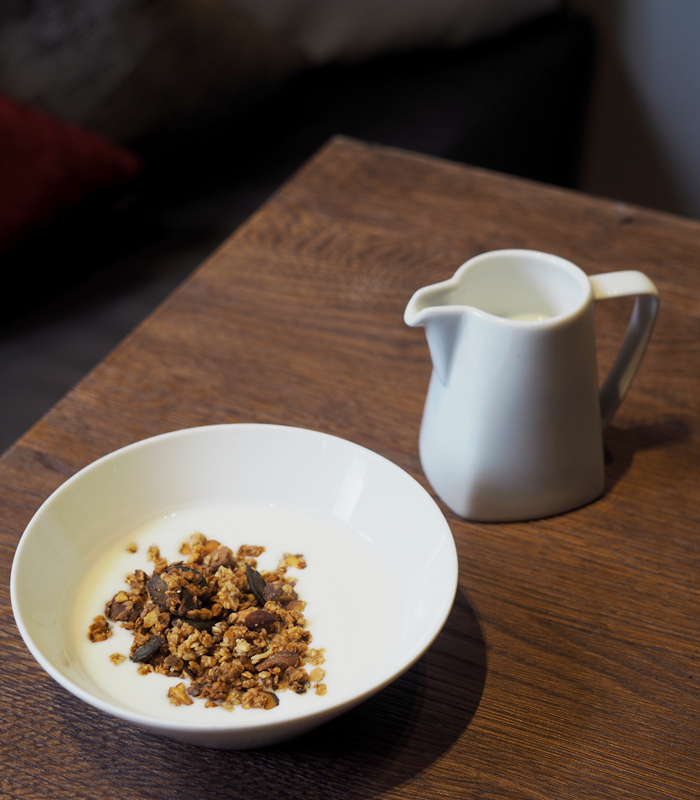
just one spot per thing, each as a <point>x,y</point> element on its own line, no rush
<point>621,443</point>
<point>378,745</point>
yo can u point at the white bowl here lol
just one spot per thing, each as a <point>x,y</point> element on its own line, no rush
<point>380,582</point>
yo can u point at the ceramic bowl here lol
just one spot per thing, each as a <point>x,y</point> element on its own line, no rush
<point>380,581</point>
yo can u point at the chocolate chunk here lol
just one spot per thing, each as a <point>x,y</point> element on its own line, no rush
<point>275,591</point>
<point>222,556</point>
<point>271,592</point>
<point>284,660</point>
<point>259,619</point>
<point>127,611</point>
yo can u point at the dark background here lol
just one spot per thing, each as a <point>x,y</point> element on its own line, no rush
<point>517,102</point>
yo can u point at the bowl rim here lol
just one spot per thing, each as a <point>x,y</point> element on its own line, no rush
<point>142,720</point>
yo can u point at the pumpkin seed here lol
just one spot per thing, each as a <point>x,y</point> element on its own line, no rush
<point>256,582</point>
<point>148,649</point>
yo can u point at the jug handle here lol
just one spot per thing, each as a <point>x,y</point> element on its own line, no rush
<point>625,284</point>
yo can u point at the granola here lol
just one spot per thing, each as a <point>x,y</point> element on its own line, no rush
<point>234,636</point>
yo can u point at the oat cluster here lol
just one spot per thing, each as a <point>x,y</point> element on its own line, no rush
<point>234,635</point>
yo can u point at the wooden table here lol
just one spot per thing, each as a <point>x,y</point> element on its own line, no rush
<point>569,667</point>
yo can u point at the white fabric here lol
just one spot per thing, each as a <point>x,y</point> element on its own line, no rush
<point>121,66</point>
<point>327,30</point>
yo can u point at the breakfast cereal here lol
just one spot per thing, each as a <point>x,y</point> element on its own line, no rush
<point>235,636</point>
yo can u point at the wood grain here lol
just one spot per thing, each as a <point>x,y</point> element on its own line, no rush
<point>569,665</point>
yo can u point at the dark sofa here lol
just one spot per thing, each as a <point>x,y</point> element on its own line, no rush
<point>515,102</point>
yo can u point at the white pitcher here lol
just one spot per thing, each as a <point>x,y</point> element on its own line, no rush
<point>513,421</point>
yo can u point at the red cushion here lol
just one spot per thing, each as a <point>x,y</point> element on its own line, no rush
<point>48,166</point>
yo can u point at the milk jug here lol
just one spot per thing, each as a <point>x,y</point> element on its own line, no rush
<point>513,420</point>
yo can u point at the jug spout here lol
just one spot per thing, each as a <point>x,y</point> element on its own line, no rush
<point>429,309</point>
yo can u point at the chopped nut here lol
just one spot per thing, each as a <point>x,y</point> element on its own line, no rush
<point>178,696</point>
<point>151,618</point>
<point>315,657</point>
<point>316,675</point>
<point>117,658</point>
<point>197,540</point>
<point>250,551</point>
<point>99,630</point>
<point>153,553</point>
